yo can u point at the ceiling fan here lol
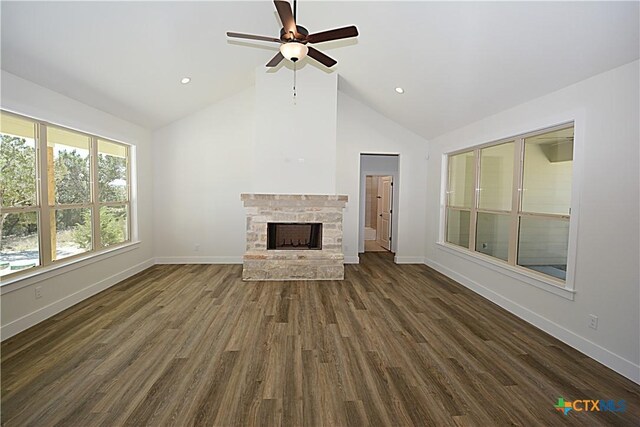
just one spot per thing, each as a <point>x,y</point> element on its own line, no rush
<point>294,39</point>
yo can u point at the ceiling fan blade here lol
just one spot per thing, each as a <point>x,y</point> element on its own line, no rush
<point>321,57</point>
<point>275,60</point>
<point>337,34</point>
<point>253,37</point>
<point>286,16</point>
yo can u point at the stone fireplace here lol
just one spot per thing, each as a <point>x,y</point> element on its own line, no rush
<point>293,237</point>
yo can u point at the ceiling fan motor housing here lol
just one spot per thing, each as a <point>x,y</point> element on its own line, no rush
<point>301,34</point>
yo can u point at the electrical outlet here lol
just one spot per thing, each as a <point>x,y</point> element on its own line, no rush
<point>196,247</point>
<point>593,321</point>
<point>38,292</point>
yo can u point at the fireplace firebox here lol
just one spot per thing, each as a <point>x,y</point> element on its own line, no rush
<point>294,236</point>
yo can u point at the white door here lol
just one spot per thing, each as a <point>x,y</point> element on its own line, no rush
<point>385,200</point>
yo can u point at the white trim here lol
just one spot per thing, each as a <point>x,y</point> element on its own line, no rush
<point>611,360</point>
<point>62,267</point>
<point>226,260</point>
<point>35,317</point>
<point>408,259</point>
<point>199,260</point>
<point>539,281</point>
<point>579,126</point>
<point>395,174</point>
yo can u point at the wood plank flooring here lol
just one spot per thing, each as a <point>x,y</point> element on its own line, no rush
<point>389,345</point>
<point>373,246</point>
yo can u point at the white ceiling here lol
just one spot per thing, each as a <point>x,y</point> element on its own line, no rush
<point>458,62</point>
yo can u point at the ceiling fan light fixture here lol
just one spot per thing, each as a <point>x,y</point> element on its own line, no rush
<point>294,51</point>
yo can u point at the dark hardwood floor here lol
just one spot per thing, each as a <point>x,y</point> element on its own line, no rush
<point>390,345</point>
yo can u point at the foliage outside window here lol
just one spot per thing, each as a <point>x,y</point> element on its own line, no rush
<point>510,200</point>
<point>64,193</point>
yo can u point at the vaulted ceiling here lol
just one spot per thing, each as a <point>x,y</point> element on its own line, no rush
<point>457,61</point>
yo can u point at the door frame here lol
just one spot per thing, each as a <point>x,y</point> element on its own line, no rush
<point>367,169</point>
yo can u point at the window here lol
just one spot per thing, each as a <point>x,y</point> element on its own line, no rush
<point>113,184</point>
<point>510,200</point>
<point>69,191</point>
<point>64,193</point>
<point>460,198</point>
<point>19,193</point>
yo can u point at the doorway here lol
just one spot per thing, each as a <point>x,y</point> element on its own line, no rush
<point>379,176</point>
<point>378,213</point>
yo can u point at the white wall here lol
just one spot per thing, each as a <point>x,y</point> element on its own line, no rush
<point>20,309</point>
<point>295,143</point>
<point>255,141</point>
<point>363,130</point>
<point>378,165</point>
<point>201,165</point>
<point>606,111</point>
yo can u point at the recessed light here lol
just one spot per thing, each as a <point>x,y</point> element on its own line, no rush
<point>399,90</point>
<point>185,80</point>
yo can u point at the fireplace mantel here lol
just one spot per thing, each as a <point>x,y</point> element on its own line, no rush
<point>260,263</point>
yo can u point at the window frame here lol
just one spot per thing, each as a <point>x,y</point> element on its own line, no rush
<point>37,205</point>
<point>54,206</point>
<point>96,193</point>
<point>510,267</point>
<point>45,207</point>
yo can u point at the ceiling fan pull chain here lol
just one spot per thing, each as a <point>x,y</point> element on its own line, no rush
<point>295,91</point>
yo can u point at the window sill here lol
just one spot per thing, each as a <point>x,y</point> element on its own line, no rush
<point>539,281</point>
<point>44,273</point>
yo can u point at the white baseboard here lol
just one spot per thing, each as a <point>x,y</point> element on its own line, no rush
<point>619,364</point>
<point>224,260</point>
<point>408,259</point>
<point>199,260</point>
<point>33,318</point>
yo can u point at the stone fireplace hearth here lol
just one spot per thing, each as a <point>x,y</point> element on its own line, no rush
<point>306,262</point>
